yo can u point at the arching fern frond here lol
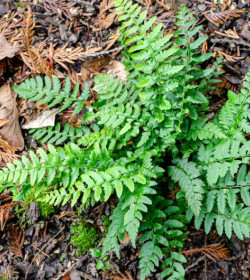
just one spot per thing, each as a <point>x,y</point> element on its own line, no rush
<point>163,236</point>
<point>45,91</point>
<point>58,135</point>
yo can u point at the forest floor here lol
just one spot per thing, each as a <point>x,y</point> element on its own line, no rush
<point>79,39</point>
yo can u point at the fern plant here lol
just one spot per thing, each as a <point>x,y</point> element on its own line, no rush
<point>159,110</point>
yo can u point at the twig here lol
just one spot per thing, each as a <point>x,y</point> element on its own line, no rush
<point>205,258</point>
<point>87,276</point>
<point>75,265</point>
<point>101,53</point>
<point>195,263</point>
<point>227,40</point>
<point>46,244</point>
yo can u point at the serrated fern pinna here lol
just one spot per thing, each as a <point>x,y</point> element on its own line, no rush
<point>159,110</point>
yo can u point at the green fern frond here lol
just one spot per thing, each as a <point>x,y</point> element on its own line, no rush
<point>56,135</point>
<point>235,221</point>
<point>127,216</point>
<point>201,130</point>
<point>45,91</point>
<point>162,236</point>
<point>187,175</point>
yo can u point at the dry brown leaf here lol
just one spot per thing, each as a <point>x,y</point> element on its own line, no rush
<point>119,276</point>
<point>126,238</point>
<point>7,157</point>
<point>204,47</point>
<point>173,193</point>
<point>6,50</point>
<point>67,276</point>
<point>3,122</point>
<point>4,145</point>
<point>213,252</point>
<point>93,67</point>
<point>47,118</point>
<point>5,214</point>
<point>229,33</point>
<point>16,240</point>
<point>230,58</point>
<point>223,17</point>
<point>225,84</point>
<point>225,4</point>
<point>10,132</point>
<point>4,197</point>
<point>105,6</point>
<point>112,39</point>
<point>11,28</point>
<point>117,69</point>
<point>35,59</point>
<point>106,22</point>
<point>163,4</point>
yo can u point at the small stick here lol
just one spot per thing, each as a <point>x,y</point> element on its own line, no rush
<point>46,244</point>
<point>101,53</point>
<point>195,263</point>
<point>75,265</point>
<point>226,40</point>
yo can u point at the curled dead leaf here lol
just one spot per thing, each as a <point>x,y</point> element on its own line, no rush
<point>6,50</point>
<point>11,131</point>
<point>117,69</point>
<point>47,118</point>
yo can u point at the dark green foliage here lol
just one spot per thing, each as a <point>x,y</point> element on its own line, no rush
<point>159,110</point>
<point>46,210</point>
<point>84,238</point>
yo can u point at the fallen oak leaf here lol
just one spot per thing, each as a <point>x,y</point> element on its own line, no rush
<point>6,50</point>
<point>11,131</point>
<point>47,118</point>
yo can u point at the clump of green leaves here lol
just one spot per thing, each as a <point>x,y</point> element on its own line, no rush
<point>84,238</point>
<point>46,210</point>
